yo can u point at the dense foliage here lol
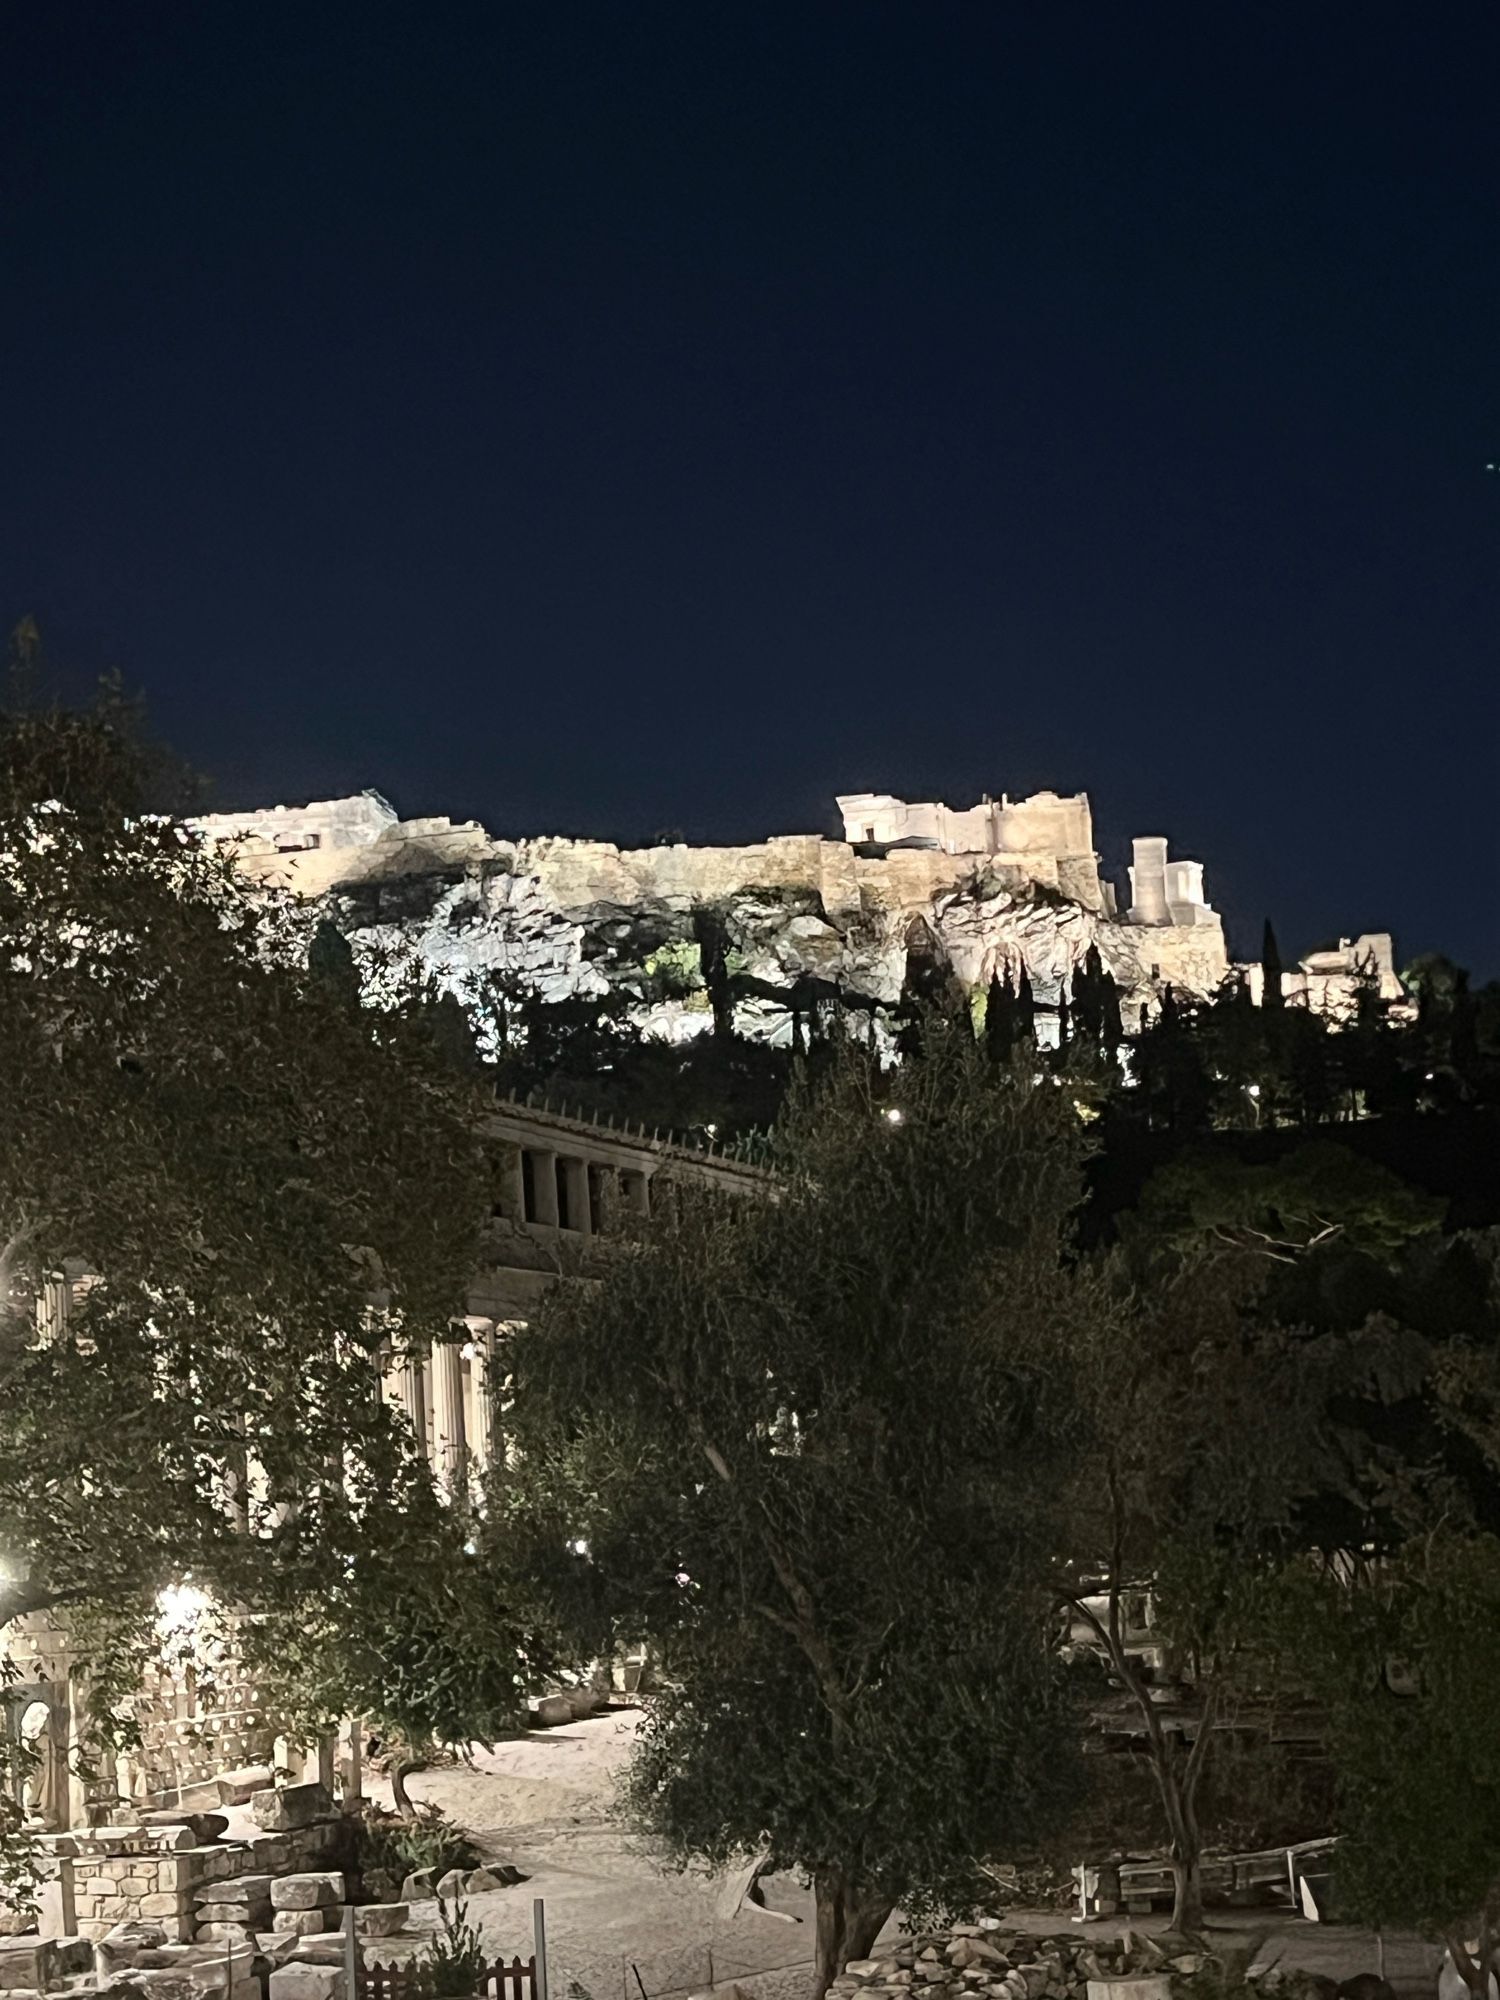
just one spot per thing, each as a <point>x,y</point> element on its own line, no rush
<point>207,1169</point>
<point>809,1447</point>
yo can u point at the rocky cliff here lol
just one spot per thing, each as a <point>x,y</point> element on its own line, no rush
<point>757,930</point>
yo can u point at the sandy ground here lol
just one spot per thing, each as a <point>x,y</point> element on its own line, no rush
<point>620,1927</point>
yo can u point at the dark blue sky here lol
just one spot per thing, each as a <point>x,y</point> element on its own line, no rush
<point>610,418</point>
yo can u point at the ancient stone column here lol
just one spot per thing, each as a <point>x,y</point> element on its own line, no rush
<point>637,1196</point>
<point>52,1305</point>
<point>579,1215</point>
<point>449,1455</point>
<point>407,1385</point>
<point>544,1187</point>
<point>1148,881</point>
<point>481,1411</point>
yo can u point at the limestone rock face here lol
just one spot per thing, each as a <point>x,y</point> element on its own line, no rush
<point>793,916</point>
<point>783,943</point>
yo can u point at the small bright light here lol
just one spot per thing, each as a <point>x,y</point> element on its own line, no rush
<point>1254,1090</point>
<point>178,1606</point>
<point>470,1549</point>
<point>579,1547</point>
<point>683,1579</point>
<point>1430,1075</point>
<point>895,1115</point>
<point>712,1131</point>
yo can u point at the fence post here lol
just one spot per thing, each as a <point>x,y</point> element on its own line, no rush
<point>351,1954</point>
<point>539,1945</point>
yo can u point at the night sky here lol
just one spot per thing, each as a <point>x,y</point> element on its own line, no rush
<point>612,419</point>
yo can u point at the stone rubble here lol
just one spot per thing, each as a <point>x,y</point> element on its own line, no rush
<point>983,1961</point>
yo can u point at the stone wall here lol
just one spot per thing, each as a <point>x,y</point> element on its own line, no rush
<point>105,1876</point>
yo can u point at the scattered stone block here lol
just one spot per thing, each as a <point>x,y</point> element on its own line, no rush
<point>75,1956</point>
<point>493,1875</point>
<point>205,1827</point>
<point>420,1886</point>
<point>272,1851</point>
<point>27,1962</point>
<point>225,1932</point>
<point>300,1922</point>
<point>281,1808</point>
<point>164,1984</point>
<point>307,1892</point>
<point>238,1788</point>
<point>380,1919</point>
<point>451,1885</point>
<point>307,1982</point>
<point>235,1889</point>
<point>552,1710</point>
<point>275,1948</point>
<point>325,1948</point>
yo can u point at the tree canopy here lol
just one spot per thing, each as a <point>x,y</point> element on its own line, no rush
<point>808,1446</point>
<point>227,1183</point>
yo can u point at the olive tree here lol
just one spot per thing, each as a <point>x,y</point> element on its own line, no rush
<point>808,1446</point>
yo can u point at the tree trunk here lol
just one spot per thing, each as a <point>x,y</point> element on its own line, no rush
<point>401,1769</point>
<point>849,1918</point>
<point>1475,1969</point>
<point>1187,1895</point>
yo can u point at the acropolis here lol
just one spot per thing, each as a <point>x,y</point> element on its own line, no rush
<point>1006,884</point>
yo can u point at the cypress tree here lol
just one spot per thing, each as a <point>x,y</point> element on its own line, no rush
<point>1463,1029</point>
<point>1000,1018</point>
<point>1025,1008</point>
<point>1270,966</point>
<point>1111,1027</point>
<point>1088,998</point>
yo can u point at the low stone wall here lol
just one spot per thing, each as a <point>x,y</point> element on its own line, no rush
<point>112,1875</point>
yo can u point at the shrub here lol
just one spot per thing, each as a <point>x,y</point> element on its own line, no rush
<point>455,1958</point>
<point>393,1847</point>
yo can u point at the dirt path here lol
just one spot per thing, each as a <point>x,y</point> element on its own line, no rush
<point>622,1927</point>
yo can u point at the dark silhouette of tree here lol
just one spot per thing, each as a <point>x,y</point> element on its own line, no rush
<point>1025,1009</point>
<point>1111,1027</point>
<point>1270,964</point>
<point>713,949</point>
<point>1001,1019</point>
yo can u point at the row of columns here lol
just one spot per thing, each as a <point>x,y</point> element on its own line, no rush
<point>446,1394</point>
<point>564,1191</point>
